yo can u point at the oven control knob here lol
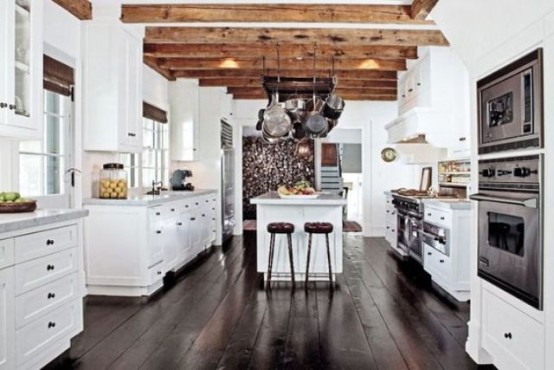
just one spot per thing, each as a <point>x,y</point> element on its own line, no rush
<point>523,172</point>
<point>488,172</point>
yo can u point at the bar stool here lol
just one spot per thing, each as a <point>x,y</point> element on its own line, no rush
<point>280,228</point>
<point>318,228</point>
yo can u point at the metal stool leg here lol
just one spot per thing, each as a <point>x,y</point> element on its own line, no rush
<point>308,259</point>
<point>329,259</point>
<point>270,260</point>
<point>289,239</point>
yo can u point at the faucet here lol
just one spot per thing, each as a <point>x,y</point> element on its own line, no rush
<point>154,190</point>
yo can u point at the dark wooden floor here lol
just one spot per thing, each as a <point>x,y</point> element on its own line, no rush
<point>382,315</point>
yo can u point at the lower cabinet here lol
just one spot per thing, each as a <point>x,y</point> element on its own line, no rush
<point>513,339</point>
<point>41,294</point>
<point>129,248</point>
<point>391,224</point>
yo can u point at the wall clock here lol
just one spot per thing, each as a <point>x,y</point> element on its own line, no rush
<point>388,154</point>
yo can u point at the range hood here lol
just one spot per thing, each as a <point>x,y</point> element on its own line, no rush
<point>422,126</point>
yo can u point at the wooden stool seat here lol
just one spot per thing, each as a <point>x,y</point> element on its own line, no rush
<point>287,229</point>
<point>318,228</point>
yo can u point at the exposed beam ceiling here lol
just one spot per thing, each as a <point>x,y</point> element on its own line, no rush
<point>81,9</point>
<point>234,45</point>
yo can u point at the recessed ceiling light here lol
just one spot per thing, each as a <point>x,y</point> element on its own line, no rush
<point>369,64</point>
<point>229,63</point>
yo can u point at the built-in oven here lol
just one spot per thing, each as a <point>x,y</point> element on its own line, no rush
<point>510,104</point>
<point>510,251</point>
<point>436,237</point>
<point>409,239</point>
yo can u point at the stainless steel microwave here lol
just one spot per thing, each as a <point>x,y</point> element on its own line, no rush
<point>510,106</point>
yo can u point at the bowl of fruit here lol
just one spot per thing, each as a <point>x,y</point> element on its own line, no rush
<point>12,202</point>
<point>302,189</point>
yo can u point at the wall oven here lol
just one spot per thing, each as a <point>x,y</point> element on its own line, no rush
<point>510,226</point>
<point>510,105</point>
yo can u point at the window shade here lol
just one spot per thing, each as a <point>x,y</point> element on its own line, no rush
<point>58,77</point>
<point>151,112</point>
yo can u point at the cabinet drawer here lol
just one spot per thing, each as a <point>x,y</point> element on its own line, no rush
<point>514,340</point>
<point>35,273</point>
<point>37,336</point>
<point>436,264</point>
<point>46,242</point>
<point>155,273</point>
<point>37,302</point>
<point>6,252</point>
<point>438,216</point>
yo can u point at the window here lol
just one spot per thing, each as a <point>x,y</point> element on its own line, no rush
<point>42,162</point>
<point>153,163</point>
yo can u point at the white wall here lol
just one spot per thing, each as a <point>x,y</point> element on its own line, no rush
<point>488,35</point>
<point>378,176</point>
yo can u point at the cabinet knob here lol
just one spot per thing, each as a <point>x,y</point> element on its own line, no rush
<point>131,134</point>
<point>179,224</point>
<point>428,214</point>
<point>50,267</point>
<point>410,90</point>
<point>441,261</point>
<point>187,206</point>
<point>11,106</point>
<point>172,209</point>
<point>207,201</point>
<point>193,218</point>
<point>388,211</point>
<point>462,139</point>
<point>159,272</point>
<point>3,105</point>
<point>196,203</point>
<point>388,227</point>
<point>508,335</point>
<point>49,242</point>
<point>203,215</point>
<point>51,295</point>
<point>213,218</point>
<point>158,231</point>
<point>51,324</point>
<point>393,230</point>
<point>442,218</point>
<point>429,253</point>
<point>158,213</point>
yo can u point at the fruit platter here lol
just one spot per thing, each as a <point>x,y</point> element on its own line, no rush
<point>302,189</point>
<point>12,202</point>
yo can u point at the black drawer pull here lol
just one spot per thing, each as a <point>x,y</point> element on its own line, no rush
<point>49,242</point>
<point>51,295</point>
<point>50,267</point>
<point>410,90</point>
<point>462,139</point>
<point>203,215</point>
<point>388,227</point>
<point>158,231</point>
<point>428,214</point>
<point>196,203</point>
<point>207,201</point>
<point>393,230</point>
<point>172,209</point>
<point>508,335</point>
<point>441,261</point>
<point>179,224</point>
<point>213,218</point>
<point>51,324</point>
<point>442,218</point>
<point>158,213</point>
<point>429,253</point>
<point>187,206</point>
<point>193,218</point>
<point>159,272</point>
<point>213,209</point>
<point>131,134</point>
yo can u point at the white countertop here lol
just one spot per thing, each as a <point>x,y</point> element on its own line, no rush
<point>323,199</point>
<point>448,203</point>
<point>148,200</point>
<point>16,221</point>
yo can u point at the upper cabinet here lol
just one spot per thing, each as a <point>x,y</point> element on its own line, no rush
<point>433,100</point>
<point>112,87</point>
<point>184,120</point>
<point>21,68</point>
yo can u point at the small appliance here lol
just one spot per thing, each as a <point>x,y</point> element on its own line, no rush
<point>179,180</point>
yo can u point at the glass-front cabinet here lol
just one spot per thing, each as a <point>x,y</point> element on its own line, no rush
<point>21,68</point>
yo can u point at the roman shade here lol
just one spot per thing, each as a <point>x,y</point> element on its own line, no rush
<point>58,77</point>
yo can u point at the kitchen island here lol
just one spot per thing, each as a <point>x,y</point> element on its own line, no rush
<point>325,208</point>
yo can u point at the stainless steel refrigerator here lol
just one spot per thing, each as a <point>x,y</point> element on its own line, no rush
<point>227,182</point>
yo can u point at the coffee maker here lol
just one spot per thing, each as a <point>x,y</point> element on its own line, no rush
<point>179,180</point>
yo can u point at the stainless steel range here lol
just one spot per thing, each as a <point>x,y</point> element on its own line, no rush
<point>410,220</point>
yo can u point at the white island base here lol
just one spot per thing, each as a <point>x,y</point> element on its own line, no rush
<point>325,208</point>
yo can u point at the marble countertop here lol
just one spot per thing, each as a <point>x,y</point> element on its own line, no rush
<point>323,199</point>
<point>448,203</point>
<point>149,200</point>
<point>16,221</point>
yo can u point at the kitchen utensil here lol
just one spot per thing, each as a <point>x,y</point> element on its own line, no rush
<point>269,139</point>
<point>333,106</point>
<point>314,123</point>
<point>296,107</point>
<point>298,131</point>
<point>260,119</point>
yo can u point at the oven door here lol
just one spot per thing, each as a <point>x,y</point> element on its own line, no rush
<point>510,244</point>
<point>408,236</point>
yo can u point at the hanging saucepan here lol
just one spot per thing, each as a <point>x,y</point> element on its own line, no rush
<point>298,131</point>
<point>314,123</point>
<point>333,107</point>
<point>260,119</point>
<point>296,107</point>
<point>277,122</point>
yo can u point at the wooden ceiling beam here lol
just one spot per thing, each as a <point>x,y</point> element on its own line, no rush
<point>153,63</point>
<point>222,50</point>
<point>257,82</point>
<point>81,9</point>
<point>328,13</point>
<point>310,36</point>
<point>286,64</point>
<point>254,73</point>
<point>420,9</point>
<point>256,96</point>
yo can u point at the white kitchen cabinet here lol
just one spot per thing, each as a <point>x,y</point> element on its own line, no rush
<point>21,65</point>
<point>514,340</point>
<point>391,224</point>
<point>450,271</point>
<point>112,85</point>
<point>40,296</point>
<point>184,120</point>
<point>131,247</point>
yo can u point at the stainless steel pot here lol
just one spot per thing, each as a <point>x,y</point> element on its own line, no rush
<point>296,108</point>
<point>314,123</point>
<point>333,107</point>
<point>277,122</point>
